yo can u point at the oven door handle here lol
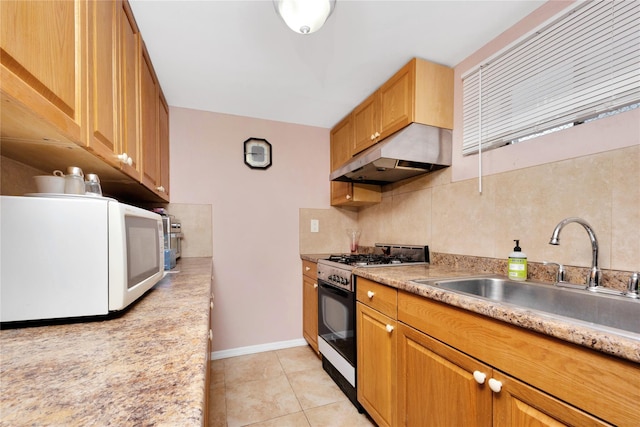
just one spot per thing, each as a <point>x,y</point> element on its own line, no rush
<point>331,289</point>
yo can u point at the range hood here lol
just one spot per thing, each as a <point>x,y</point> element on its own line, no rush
<point>414,150</point>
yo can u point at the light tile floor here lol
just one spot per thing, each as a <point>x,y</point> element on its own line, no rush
<point>282,388</point>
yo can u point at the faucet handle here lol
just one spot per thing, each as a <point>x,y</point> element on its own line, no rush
<point>560,275</point>
<point>632,288</point>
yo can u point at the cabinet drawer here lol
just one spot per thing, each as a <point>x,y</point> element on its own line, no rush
<point>380,297</point>
<point>309,269</point>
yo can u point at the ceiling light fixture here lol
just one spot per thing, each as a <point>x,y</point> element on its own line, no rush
<point>304,16</point>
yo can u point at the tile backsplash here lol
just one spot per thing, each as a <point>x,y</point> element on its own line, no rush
<point>454,218</point>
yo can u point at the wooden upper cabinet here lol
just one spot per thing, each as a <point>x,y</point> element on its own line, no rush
<point>365,123</point>
<point>347,193</point>
<point>103,84</point>
<point>149,121</point>
<point>50,83</point>
<point>129,92</point>
<point>396,101</point>
<point>154,130</point>
<point>420,92</point>
<point>163,144</point>
<point>341,142</point>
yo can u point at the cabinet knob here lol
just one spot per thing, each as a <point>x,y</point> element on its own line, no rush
<point>348,197</point>
<point>373,137</point>
<point>370,294</point>
<point>495,385</point>
<point>124,158</point>
<point>315,286</point>
<point>389,328</point>
<point>479,377</point>
<point>307,268</point>
<point>160,189</point>
<point>377,134</point>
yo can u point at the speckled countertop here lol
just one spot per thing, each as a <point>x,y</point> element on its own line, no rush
<point>400,277</point>
<point>146,367</point>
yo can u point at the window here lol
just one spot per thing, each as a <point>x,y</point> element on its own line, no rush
<point>578,67</point>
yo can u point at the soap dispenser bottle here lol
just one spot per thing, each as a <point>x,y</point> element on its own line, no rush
<point>517,263</point>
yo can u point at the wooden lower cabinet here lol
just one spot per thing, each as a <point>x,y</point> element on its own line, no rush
<point>426,363</point>
<point>376,323</point>
<point>436,385</point>
<point>518,404</point>
<point>376,364</point>
<point>310,303</point>
<point>441,386</point>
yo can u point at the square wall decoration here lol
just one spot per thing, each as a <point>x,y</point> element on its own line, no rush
<point>257,153</point>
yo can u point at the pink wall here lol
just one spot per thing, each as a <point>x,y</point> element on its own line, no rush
<point>257,267</point>
<point>606,134</point>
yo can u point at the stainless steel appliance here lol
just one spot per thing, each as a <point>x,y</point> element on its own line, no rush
<point>417,149</point>
<point>172,234</point>
<point>337,306</point>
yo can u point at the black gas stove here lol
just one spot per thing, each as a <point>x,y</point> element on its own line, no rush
<point>337,306</point>
<point>337,269</point>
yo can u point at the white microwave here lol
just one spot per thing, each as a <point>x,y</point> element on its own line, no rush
<point>75,256</point>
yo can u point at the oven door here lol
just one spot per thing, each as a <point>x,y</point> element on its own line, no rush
<point>337,320</point>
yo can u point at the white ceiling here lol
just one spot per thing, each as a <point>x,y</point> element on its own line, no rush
<point>238,57</point>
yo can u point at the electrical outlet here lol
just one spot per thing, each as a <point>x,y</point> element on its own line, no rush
<point>315,226</point>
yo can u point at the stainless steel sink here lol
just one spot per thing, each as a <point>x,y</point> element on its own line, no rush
<point>597,309</point>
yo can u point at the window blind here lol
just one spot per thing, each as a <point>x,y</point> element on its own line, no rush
<point>582,64</point>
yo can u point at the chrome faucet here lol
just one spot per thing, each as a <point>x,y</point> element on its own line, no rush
<point>595,275</point>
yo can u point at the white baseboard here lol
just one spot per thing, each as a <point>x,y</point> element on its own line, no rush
<point>241,351</point>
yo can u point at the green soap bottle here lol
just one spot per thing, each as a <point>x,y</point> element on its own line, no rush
<point>517,263</point>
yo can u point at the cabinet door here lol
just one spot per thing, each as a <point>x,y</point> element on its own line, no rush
<point>436,385</point>
<point>349,194</point>
<point>341,193</point>
<point>163,145</point>
<point>397,98</point>
<point>42,60</point>
<point>310,311</point>
<point>376,364</point>
<point>518,404</point>
<point>129,92</point>
<point>366,124</point>
<point>341,143</point>
<point>103,80</point>
<point>149,122</point>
